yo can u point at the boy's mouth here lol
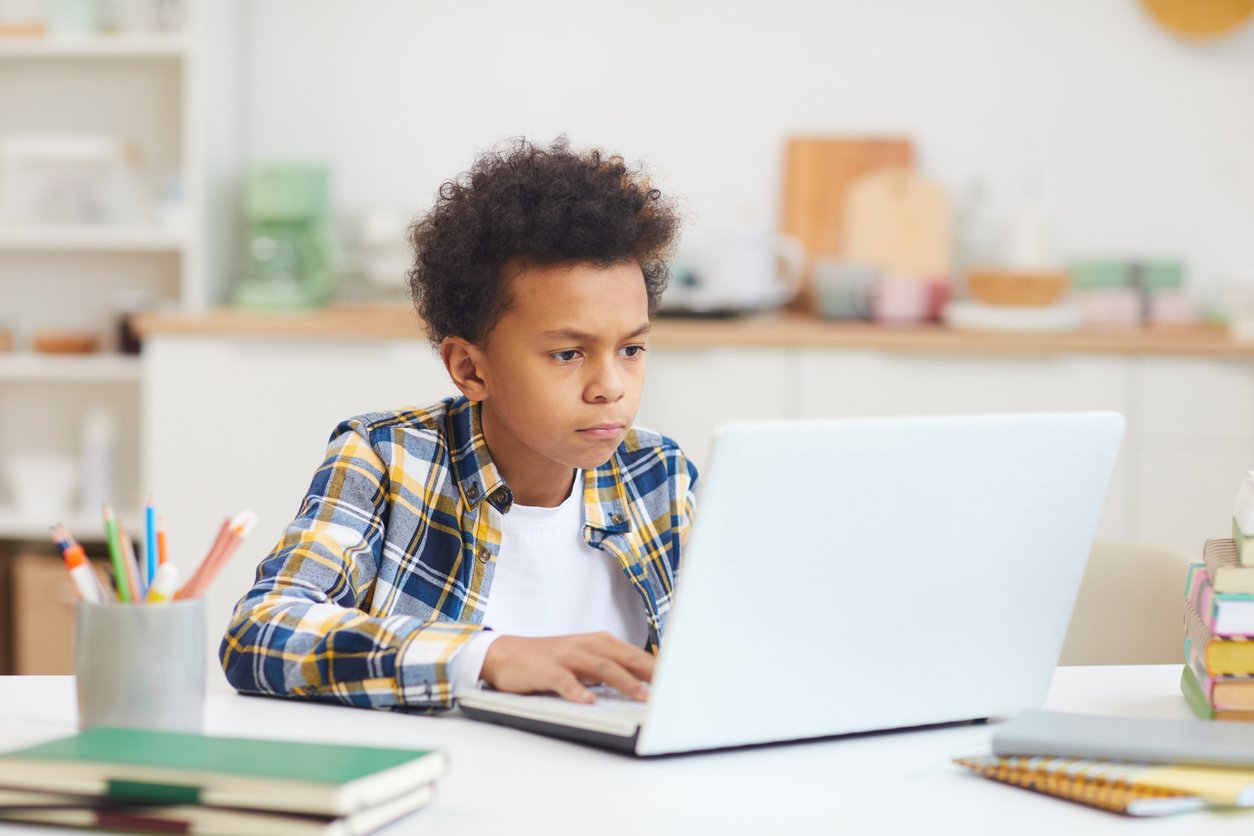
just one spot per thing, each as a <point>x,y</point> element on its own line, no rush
<point>603,431</point>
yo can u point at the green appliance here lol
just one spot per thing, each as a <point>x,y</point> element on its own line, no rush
<point>288,247</point>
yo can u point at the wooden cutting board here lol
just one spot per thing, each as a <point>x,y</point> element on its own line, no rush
<point>816,172</point>
<point>896,220</point>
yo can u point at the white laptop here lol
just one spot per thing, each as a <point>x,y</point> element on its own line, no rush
<point>857,575</point>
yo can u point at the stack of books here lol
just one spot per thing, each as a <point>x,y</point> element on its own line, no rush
<point>167,782</point>
<point>1218,677</point>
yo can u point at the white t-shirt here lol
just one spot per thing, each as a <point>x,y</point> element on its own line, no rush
<point>549,582</point>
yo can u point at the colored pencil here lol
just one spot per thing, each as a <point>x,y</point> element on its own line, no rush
<point>162,556</point>
<point>115,556</point>
<point>134,574</point>
<point>224,546</point>
<point>150,542</point>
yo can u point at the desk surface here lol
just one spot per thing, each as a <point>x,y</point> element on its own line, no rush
<point>506,781</point>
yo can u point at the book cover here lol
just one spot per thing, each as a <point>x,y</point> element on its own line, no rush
<point>1096,737</point>
<point>101,814</point>
<point>1244,544</point>
<point>1130,788</point>
<point>1194,695</point>
<point>1223,613</point>
<point>1225,569</point>
<point>142,766</point>
<point>1230,655</point>
<point>1227,692</point>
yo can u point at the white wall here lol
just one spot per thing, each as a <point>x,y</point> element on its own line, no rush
<point>1143,144</point>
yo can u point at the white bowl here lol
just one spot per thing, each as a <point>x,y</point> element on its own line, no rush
<point>43,484</point>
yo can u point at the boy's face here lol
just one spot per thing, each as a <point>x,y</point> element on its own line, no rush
<point>562,372</point>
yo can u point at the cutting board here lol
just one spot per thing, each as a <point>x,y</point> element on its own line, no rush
<point>896,220</point>
<point>816,172</point>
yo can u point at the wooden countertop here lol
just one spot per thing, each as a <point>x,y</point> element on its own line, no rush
<point>398,322</point>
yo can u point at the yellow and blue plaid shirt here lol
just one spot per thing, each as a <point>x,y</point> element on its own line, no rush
<point>386,570</point>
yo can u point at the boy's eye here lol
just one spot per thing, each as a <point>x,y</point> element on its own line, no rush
<point>565,356</point>
<point>632,350</point>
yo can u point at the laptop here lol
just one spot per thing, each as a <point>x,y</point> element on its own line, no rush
<point>860,575</point>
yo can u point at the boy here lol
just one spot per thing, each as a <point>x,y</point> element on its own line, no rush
<point>525,534</point>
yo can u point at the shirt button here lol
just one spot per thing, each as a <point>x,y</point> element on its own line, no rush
<point>483,554</point>
<point>617,519</point>
<point>473,492</point>
<point>500,496</point>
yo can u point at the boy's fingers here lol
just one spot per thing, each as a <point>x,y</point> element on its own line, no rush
<point>604,669</point>
<point>568,687</point>
<point>639,662</point>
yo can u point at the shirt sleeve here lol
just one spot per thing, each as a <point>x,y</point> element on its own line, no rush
<point>302,629</point>
<point>467,664</point>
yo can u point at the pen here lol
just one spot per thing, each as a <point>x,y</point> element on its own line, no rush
<point>162,587</point>
<point>85,581</point>
<point>115,556</point>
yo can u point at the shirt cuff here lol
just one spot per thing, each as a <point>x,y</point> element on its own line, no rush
<point>467,663</point>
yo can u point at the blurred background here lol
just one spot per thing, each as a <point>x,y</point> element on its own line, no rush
<point>901,207</point>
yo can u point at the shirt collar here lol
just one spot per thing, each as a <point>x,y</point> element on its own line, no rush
<point>477,477</point>
<point>604,492</point>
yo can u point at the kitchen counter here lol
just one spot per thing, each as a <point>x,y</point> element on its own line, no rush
<point>399,322</point>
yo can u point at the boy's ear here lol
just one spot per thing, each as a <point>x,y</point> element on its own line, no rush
<point>464,362</point>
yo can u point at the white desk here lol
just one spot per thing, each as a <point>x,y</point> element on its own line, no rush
<point>503,781</point>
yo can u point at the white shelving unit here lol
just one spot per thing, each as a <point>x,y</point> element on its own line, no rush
<point>130,45</point>
<point>147,88</point>
<point>104,239</point>
<point>84,526</point>
<point>69,368</point>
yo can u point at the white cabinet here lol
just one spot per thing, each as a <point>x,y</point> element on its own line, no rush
<point>689,392</point>
<point>243,422</point>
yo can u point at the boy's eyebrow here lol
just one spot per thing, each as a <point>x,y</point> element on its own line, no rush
<point>583,336</point>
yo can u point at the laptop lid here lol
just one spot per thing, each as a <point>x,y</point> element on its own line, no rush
<point>855,575</point>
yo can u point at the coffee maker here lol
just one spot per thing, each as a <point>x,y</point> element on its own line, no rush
<point>288,247</point>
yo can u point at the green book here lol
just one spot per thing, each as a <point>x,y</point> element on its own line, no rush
<point>1194,695</point>
<point>101,814</point>
<point>157,767</point>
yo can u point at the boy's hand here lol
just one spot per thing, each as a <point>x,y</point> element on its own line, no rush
<point>565,664</point>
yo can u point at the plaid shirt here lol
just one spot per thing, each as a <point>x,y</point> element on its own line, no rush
<point>386,570</point>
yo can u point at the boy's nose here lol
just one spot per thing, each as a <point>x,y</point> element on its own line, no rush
<point>606,385</point>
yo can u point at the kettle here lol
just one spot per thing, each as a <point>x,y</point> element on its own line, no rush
<point>734,273</point>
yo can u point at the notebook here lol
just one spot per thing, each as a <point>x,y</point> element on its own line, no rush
<point>807,529</point>
<point>1129,788</point>
<point>157,767</point>
<point>1090,736</point>
<point>101,814</point>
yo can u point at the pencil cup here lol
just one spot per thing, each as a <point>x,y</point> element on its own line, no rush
<point>141,665</point>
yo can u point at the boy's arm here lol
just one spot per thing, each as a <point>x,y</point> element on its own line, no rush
<point>301,630</point>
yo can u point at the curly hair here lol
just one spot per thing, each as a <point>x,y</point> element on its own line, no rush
<point>525,205</point>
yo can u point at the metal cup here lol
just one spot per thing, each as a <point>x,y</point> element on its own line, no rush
<point>141,665</point>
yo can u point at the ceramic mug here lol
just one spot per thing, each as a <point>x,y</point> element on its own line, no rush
<point>739,271</point>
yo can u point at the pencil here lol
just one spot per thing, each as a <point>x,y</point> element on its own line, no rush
<point>150,542</point>
<point>187,589</point>
<point>162,556</point>
<point>134,574</point>
<point>223,548</point>
<point>115,556</point>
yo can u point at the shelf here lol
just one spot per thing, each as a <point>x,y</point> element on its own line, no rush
<point>86,528</point>
<point>137,45</point>
<point>90,239</point>
<point>77,368</point>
